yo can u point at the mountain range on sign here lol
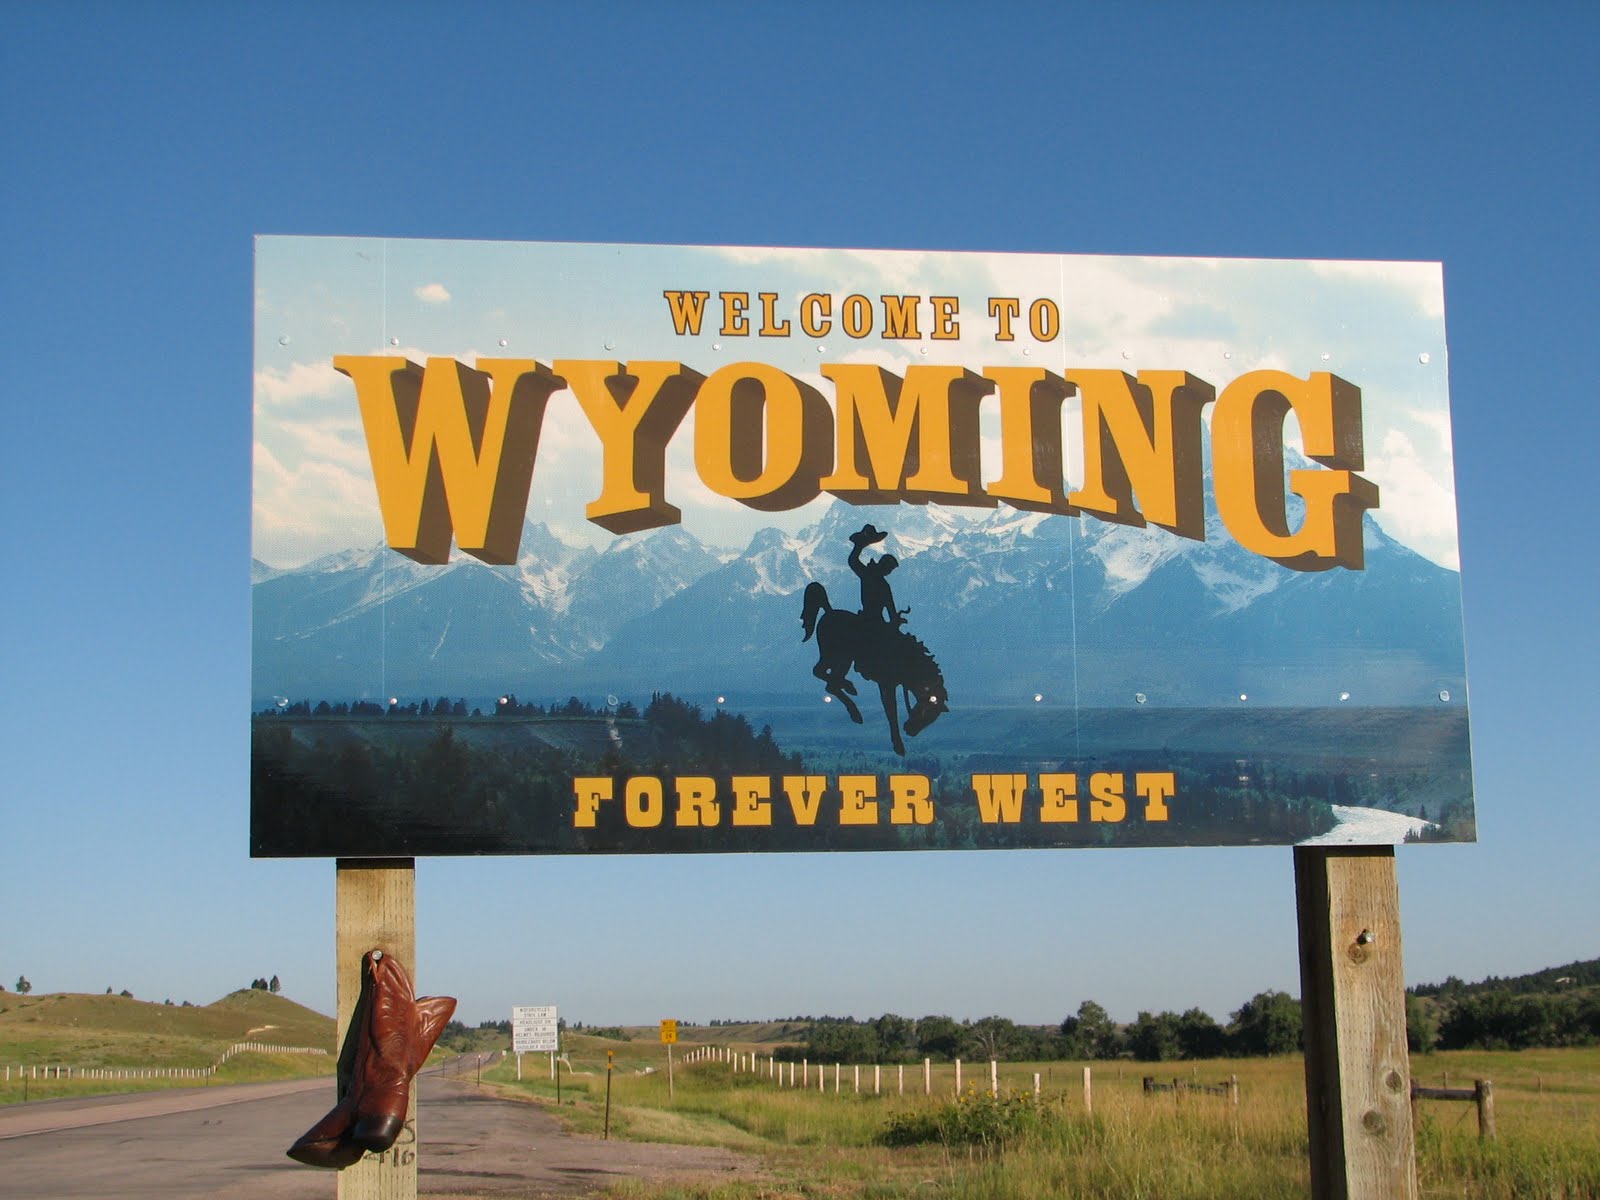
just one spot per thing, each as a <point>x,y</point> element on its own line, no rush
<point>1014,605</point>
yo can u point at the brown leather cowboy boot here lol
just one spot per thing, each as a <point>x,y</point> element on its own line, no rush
<point>402,1031</point>
<point>389,1038</point>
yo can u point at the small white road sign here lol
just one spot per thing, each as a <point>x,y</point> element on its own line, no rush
<point>534,1028</point>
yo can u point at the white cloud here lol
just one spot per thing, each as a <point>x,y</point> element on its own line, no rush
<point>433,293</point>
<point>1420,282</point>
<point>1416,507</point>
<point>337,440</point>
<point>301,513</point>
<point>302,381</point>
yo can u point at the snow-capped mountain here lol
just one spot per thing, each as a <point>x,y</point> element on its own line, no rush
<point>1017,604</point>
<point>361,623</point>
<point>1012,603</point>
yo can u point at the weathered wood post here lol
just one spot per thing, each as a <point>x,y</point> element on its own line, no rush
<point>1483,1093</point>
<point>1358,1091</point>
<point>1480,1093</point>
<point>375,909</point>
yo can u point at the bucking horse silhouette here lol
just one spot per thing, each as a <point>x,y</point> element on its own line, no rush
<point>873,642</point>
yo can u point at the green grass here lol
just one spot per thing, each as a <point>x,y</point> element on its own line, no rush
<point>1191,1147</point>
<point>89,1032</point>
<point>61,1022</point>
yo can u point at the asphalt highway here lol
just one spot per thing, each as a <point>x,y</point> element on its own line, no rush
<point>230,1142</point>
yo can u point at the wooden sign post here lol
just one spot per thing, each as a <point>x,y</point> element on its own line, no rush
<point>375,909</point>
<point>669,1036</point>
<point>1358,1087</point>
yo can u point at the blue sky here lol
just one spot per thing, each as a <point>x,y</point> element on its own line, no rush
<point>146,147</point>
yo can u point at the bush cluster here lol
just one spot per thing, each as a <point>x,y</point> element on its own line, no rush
<point>974,1118</point>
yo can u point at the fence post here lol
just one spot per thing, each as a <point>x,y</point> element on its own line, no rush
<point>994,1078</point>
<point>1088,1092</point>
<point>958,1077</point>
<point>1036,1083</point>
<point>1483,1093</point>
<point>1233,1090</point>
<point>927,1076</point>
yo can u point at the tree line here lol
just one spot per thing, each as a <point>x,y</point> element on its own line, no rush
<point>1504,1020</point>
<point>1558,1006</point>
<point>1268,1023</point>
<point>444,707</point>
<point>1585,973</point>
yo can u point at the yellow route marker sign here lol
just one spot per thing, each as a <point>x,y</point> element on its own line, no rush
<point>669,1032</point>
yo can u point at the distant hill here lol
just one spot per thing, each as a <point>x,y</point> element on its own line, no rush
<point>1552,979</point>
<point>744,1033</point>
<point>107,1030</point>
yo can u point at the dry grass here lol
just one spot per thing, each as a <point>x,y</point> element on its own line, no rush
<point>827,1144</point>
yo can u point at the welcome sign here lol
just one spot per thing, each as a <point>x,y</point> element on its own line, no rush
<point>589,548</point>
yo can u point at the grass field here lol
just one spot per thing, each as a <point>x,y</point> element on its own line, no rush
<point>834,1143</point>
<point>89,1032</point>
<point>841,1144</point>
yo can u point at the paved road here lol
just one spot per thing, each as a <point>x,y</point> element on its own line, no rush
<point>230,1142</point>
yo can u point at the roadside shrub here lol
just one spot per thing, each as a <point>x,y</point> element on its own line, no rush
<point>974,1118</point>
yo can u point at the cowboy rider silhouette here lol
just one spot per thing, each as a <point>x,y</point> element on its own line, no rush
<point>877,599</point>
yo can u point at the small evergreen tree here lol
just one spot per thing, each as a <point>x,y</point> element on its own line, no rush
<point>23,985</point>
<point>274,986</point>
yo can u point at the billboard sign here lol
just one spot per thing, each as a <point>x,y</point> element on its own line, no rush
<point>635,549</point>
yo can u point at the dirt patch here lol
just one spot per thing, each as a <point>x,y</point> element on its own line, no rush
<point>479,1144</point>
